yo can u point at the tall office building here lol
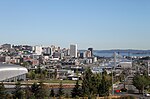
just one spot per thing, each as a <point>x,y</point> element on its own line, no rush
<point>91,49</point>
<point>47,50</point>
<point>38,50</point>
<point>73,50</point>
<point>88,53</point>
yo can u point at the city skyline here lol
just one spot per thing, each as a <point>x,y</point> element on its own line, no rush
<point>98,24</point>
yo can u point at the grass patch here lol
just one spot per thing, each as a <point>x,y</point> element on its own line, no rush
<point>54,81</point>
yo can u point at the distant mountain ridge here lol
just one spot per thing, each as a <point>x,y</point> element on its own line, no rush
<point>120,50</point>
<point>124,52</point>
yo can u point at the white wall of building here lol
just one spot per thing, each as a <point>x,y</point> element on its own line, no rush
<point>73,50</point>
<point>38,50</point>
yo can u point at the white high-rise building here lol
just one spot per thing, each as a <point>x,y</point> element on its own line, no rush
<point>73,50</point>
<point>38,50</point>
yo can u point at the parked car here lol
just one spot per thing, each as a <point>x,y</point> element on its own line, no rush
<point>147,94</point>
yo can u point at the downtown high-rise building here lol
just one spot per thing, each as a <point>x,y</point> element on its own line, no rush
<point>91,49</point>
<point>47,50</point>
<point>73,50</point>
<point>38,50</point>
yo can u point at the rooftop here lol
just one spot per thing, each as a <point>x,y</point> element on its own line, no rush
<point>4,66</point>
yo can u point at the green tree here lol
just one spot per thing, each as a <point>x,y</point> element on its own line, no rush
<point>55,74</point>
<point>38,70</point>
<point>95,84</point>
<point>52,93</point>
<point>2,91</point>
<point>76,92</point>
<point>8,96</point>
<point>19,92</point>
<point>32,75</point>
<point>34,88</point>
<point>45,72</point>
<point>140,82</point>
<point>42,91</point>
<point>96,80</point>
<point>28,92</point>
<point>67,95</point>
<point>25,64</point>
<point>105,85</point>
<point>60,92</point>
<point>88,87</point>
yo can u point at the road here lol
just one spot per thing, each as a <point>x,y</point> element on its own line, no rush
<point>132,91</point>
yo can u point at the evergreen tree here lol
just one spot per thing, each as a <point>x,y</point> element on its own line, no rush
<point>67,96</point>
<point>34,88</point>
<point>8,96</point>
<point>95,84</point>
<point>87,84</point>
<point>42,91</point>
<point>28,92</point>
<point>60,92</point>
<point>96,81</point>
<point>18,93</point>
<point>38,70</point>
<point>45,72</point>
<point>105,85</point>
<point>52,93</point>
<point>2,91</point>
<point>32,75</point>
<point>76,92</point>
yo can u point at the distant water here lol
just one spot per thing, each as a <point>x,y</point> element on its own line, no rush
<point>109,53</point>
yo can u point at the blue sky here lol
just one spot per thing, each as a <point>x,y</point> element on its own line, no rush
<point>101,24</point>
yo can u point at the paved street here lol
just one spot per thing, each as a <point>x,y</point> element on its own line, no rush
<point>132,91</point>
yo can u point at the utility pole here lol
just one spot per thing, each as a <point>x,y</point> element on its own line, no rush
<point>113,68</point>
<point>112,82</point>
<point>148,67</point>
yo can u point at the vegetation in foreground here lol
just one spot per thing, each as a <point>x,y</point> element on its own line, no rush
<point>93,85</point>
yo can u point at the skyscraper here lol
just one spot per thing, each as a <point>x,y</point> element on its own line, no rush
<point>73,50</point>
<point>47,50</point>
<point>38,50</point>
<point>88,53</point>
<point>91,49</point>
